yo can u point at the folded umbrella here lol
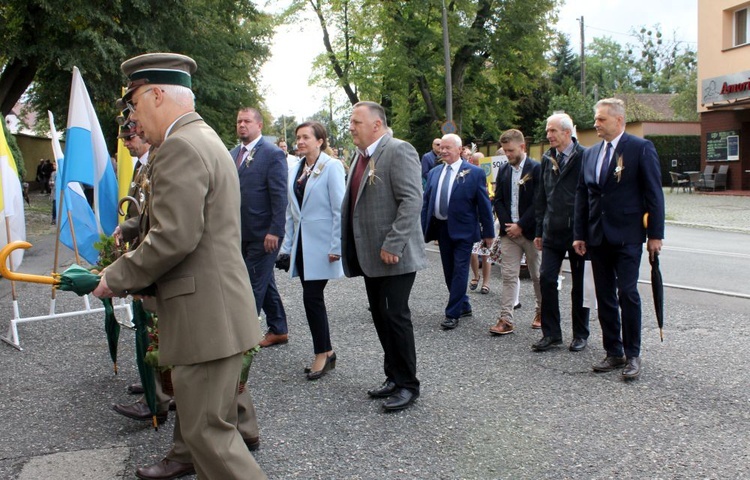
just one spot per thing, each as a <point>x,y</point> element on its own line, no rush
<point>657,288</point>
<point>76,279</point>
<point>141,320</point>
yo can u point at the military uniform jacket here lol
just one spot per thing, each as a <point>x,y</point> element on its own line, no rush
<point>192,250</point>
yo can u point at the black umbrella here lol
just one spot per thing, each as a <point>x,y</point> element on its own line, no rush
<point>657,288</point>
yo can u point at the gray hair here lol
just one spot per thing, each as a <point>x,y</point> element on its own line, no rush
<point>452,136</point>
<point>615,105</point>
<point>566,123</point>
<point>183,96</point>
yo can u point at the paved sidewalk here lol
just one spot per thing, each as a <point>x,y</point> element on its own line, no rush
<point>490,407</point>
<point>719,212</point>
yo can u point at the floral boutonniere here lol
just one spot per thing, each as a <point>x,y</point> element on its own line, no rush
<point>317,170</point>
<point>619,169</point>
<point>249,157</point>
<point>525,179</point>
<point>371,177</point>
<point>462,174</point>
<point>555,165</point>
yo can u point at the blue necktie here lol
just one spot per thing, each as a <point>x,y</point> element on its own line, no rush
<point>444,192</point>
<point>605,164</point>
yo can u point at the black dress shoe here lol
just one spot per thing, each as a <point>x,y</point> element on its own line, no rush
<point>467,313</point>
<point>385,390</point>
<point>633,368</point>
<point>253,443</point>
<point>577,344</point>
<point>165,470</point>
<point>138,411</point>
<point>135,389</point>
<point>546,343</point>
<point>449,323</point>
<point>400,399</point>
<point>608,364</point>
<point>329,365</point>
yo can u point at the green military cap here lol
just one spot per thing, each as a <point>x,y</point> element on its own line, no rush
<point>159,69</point>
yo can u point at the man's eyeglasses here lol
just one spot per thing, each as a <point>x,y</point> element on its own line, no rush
<point>131,105</point>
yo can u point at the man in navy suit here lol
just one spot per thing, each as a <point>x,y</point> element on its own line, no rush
<point>620,181</point>
<point>455,205</point>
<point>515,184</point>
<point>429,160</point>
<point>262,169</point>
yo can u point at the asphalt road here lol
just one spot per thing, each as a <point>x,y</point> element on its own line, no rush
<point>490,407</point>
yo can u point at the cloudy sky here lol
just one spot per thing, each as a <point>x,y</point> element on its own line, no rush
<point>285,77</point>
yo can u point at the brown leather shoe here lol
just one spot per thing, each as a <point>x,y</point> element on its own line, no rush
<point>503,327</point>
<point>537,323</point>
<point>135,389</point>
<point>138,411</point>
<point>271,338</point>
<point>632,369</point>
<point>165,470</point>
<point>608,364</point>
<point>253,443</point>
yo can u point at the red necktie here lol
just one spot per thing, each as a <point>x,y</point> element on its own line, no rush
<point>357,179</point>
<point>238,160</point>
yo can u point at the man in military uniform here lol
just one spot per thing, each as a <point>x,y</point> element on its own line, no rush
<point>192,255</point>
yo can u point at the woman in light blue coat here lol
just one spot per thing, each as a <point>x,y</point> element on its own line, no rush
<point>313,234</point>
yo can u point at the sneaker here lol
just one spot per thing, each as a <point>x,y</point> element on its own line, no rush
<point>503,327</point>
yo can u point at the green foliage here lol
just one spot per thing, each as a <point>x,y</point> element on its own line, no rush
<point>392,52</point>
<point>108,251</point>
<point>608,67</point>
<point>580,109</point>
<point>14,150</point>
<point>41,41</point>
<point>686,149</point>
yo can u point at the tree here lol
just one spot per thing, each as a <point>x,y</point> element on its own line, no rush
<point>391,52</point>
<point>566,65</point>
<point>608,67</point>
<point>41,41</point>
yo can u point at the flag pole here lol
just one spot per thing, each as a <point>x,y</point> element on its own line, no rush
<point>10,259</point>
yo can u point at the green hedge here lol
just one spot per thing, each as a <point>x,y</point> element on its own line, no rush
<point>686,149</point>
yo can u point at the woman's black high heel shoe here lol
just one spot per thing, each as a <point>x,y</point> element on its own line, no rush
<point>329,365</point>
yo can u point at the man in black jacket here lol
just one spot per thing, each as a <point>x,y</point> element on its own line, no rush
<point>514,206</point>
<point>554,207</point>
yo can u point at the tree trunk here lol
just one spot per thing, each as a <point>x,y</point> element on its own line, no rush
<point>15,79</point>
<point>342,76</point>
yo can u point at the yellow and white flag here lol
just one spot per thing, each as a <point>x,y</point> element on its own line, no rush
<point>12,219</point>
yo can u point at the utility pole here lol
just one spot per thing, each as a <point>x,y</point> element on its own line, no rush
<point>448,80</point>
<point>583,60</point>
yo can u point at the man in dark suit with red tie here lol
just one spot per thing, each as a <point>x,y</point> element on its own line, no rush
<point>262,168</point>
<point>620,181</point>
<point>455,205</point>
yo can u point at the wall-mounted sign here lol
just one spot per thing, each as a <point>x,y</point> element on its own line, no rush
<point>733,147</point>
<point>717,146</point>
<point>735,86</point>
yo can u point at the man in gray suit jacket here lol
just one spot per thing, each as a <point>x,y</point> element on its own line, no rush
<point>192,254</point>
<point>382,241</point>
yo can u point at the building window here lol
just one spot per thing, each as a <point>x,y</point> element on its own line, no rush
<point>740,27</point>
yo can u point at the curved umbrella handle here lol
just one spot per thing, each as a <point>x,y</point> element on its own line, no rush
<point>127,199</point>
<point>21,277</point>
